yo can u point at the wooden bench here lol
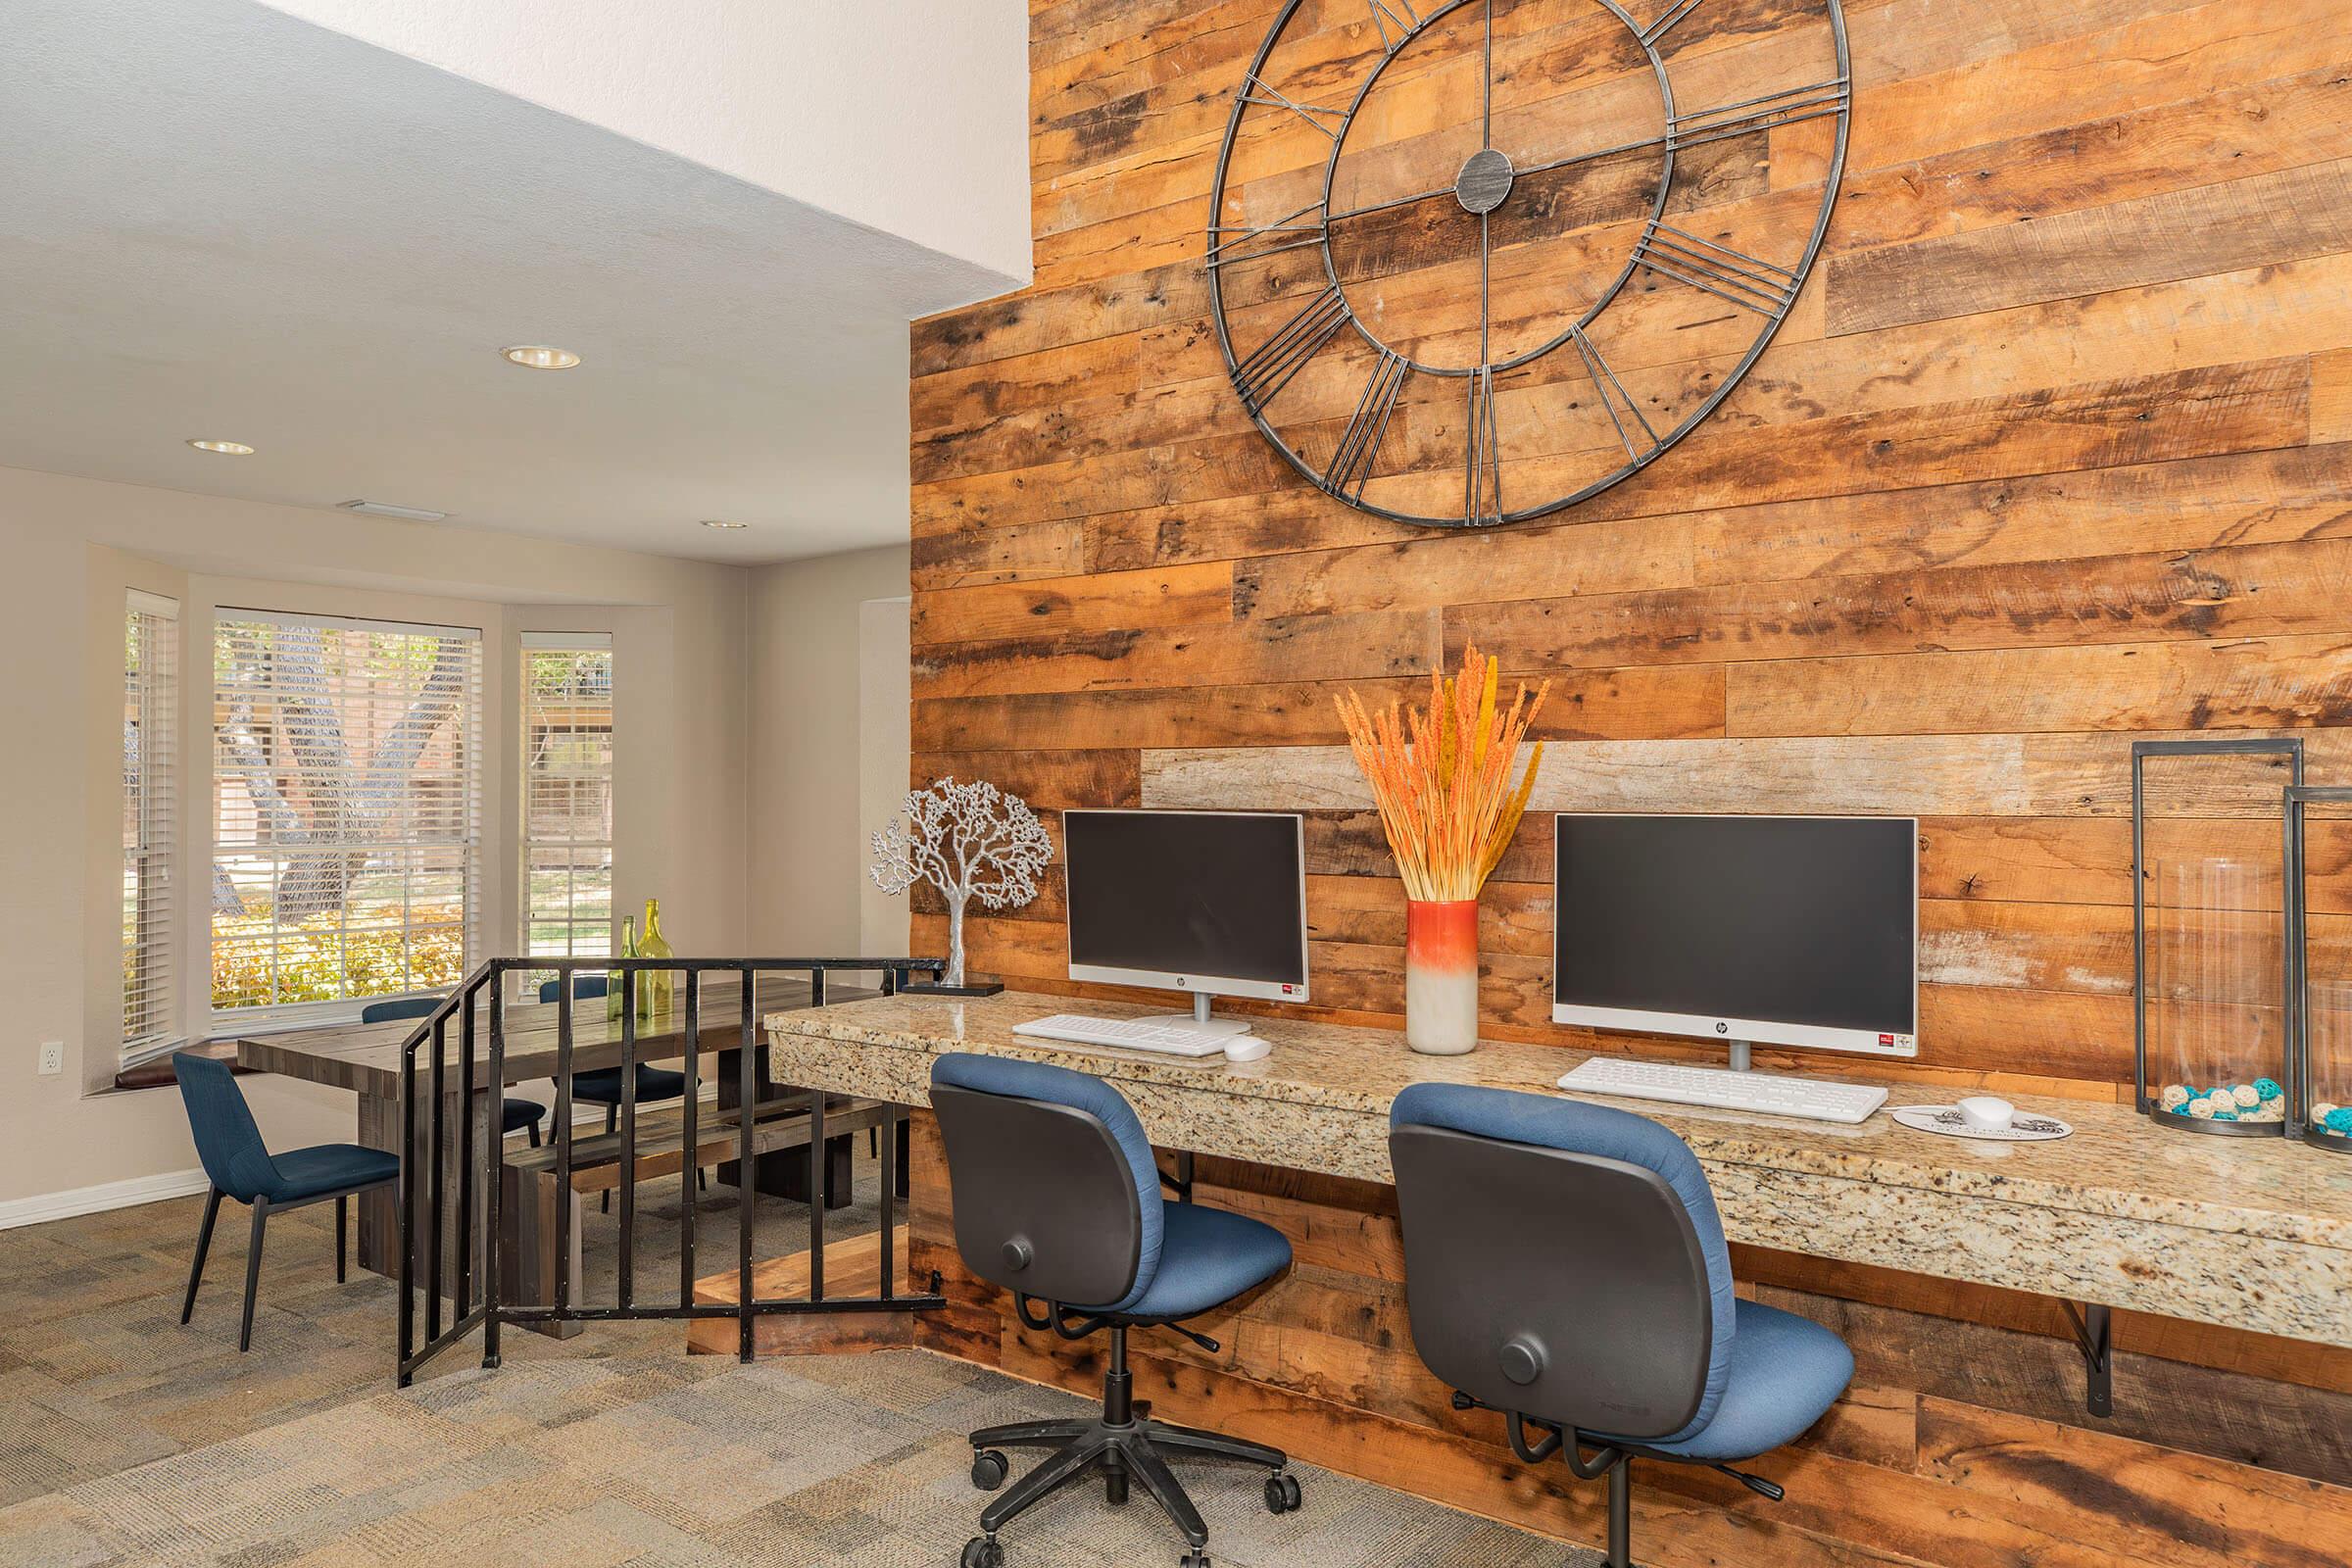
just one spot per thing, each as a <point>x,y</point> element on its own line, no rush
<point>533,1197</point>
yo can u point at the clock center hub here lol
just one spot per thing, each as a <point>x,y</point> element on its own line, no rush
<point>1485,180</point>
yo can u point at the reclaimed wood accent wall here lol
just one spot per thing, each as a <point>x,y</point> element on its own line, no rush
<point>2054,451</point>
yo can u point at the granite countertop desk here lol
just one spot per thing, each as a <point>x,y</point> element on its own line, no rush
<point>2252,1234</point>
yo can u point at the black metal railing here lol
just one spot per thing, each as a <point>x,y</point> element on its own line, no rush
<point>456,1247</point>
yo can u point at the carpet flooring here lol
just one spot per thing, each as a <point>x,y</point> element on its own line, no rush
<point>127,1440</point>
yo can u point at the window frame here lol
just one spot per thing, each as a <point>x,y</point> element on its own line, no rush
<point>151,1018</point>
<point>527,842</point>
<point>466,846</point>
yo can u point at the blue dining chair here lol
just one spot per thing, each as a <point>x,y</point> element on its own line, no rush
<point>602,1086</point>
<point>516,1114</point>
<point>1565,1266</point>
<point>239,1166</point>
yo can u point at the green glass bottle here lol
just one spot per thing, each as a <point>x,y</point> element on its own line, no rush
<point>656,988</point>
<point>612,977</point>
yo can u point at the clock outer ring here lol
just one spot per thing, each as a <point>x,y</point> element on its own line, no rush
<point>1833,12</point>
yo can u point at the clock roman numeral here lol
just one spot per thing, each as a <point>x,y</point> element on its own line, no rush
<point>1613,395</point>
<point>1271,365</point>
<point>1659,28</point>
<point>1236,242</point>
<point>1752,114</point>
<point>1330,121</point>
<point>1351,463</point>
<point>1482,472</point>
<point>1748,281</point>
<point>1400,16</point>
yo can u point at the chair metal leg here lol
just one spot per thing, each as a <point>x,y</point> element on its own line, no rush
<point>1047,1478</point>
<point>253,1272</point>
<point>1146,1466</point>
<point>1030,1433</point>
<point>1215,1445</point>
<point>535,1135</point>
<point>604,1203</point>
<point>342,1237</point>
<point>1621,1513</point>
<point>204,1244</point>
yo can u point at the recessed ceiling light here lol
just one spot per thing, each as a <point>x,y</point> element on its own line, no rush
<point>226,448</point>
<point>539,356</point>
<point>721,522</point>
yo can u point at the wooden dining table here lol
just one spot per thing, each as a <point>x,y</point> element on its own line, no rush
<point>365,1059</point>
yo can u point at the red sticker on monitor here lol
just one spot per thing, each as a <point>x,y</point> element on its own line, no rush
<point>1886,1040</point>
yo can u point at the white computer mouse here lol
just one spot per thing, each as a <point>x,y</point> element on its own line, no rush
<point>1246,1048</point>
<point>1987,1113</point>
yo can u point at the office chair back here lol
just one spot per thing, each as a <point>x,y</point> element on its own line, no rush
<point>398,1009</point>
<point>582,985</point>
<point>1563,1262</point>
<point>1055,1189</point>
<point>229,1145</point>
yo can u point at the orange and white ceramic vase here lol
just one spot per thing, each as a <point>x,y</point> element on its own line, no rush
<point>1441,975</point>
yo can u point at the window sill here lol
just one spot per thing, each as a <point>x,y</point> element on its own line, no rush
<point>156,1073</point>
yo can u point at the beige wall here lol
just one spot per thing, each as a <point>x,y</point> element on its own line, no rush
<point>885,708</point>
<point>805,784</point>
<point>72,547</point>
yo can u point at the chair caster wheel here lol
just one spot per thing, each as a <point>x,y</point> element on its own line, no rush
<point>988,1470</point>
<point>1193,1560</point>
<point>982,1551</point>
<point>1282,1494</point>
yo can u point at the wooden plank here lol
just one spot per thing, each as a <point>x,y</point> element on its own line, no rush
<point>1584,704</point>
<point>1171,596</point>
<point>2280,590</point>
<point>853,1268</point>
<point>1047,780</point>
<point>2258,222</point>
<point>1308,647</point>
<point>2331,396</point>
<point>1925,775</point>
<point>2266,683</point>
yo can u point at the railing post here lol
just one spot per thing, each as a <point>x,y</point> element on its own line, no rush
<point>747,1087</point>
<point>888,1146</point>
<point>689,1174</point>
<point>817,1169</point>
<point>495,1178</point>
<point>625,1286</point>
<point>563,1131</point>
<point>466,1187</point>
<point>406,1240</point>
<point>436,1177</point>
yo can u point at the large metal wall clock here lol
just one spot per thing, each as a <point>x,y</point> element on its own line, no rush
<point>1471,262</point>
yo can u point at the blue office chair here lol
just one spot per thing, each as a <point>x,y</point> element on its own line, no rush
<point>239,1166</point>
<point>515,1115</point>
<point>1564,1265</point>
<point>1057,1199</point>
<point>602,1086</point>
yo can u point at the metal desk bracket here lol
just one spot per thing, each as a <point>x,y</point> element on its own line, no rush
<point>2095,1337</point>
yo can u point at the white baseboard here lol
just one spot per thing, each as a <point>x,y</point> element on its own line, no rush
<point>129,1193</point>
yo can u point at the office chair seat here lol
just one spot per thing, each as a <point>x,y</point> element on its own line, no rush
<point>1786,1371</point>
<point>1207,1256</point>
<point>602,1086</point>
<point>325,1168</point>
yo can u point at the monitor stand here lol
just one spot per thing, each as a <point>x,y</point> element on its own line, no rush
<point>1200,1019</point>
<point>1740,1061</point>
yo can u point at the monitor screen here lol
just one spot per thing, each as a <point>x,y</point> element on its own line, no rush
<point>1212,901</point>
<point>1789,930</point>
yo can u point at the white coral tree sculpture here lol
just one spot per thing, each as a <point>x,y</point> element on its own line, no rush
<point>970,841</point>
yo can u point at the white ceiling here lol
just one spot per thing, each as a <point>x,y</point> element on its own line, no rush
<point>222,222</point>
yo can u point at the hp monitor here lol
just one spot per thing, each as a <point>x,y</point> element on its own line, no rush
<point>1213,903</point>
<point>1780,930</point>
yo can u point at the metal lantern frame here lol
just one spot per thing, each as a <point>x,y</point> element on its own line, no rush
<point>2299,1094</point>
<point>2290,930</point>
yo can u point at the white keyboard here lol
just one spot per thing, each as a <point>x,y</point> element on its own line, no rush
<point>1724,1089</point>
<point>1128,1034</point>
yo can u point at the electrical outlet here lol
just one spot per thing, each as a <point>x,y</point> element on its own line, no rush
<point>53,1057</point>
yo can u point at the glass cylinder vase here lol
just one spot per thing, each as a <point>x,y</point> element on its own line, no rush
<point>1441,975</point>
<point>2216,1056</point>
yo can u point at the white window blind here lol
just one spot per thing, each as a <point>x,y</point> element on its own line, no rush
<point>567,795</point>
<point>150,824</point>
<point>346,812</point>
